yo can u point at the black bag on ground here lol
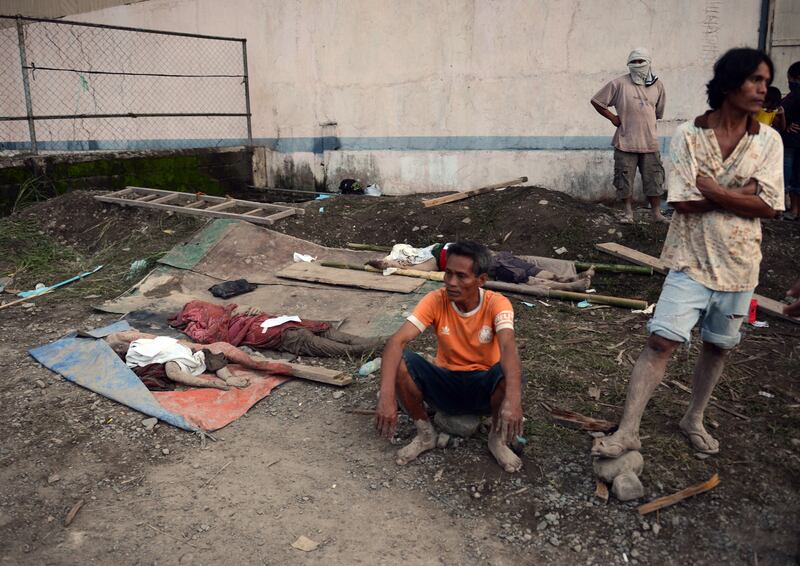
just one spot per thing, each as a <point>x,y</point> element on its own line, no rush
<point>350,187</point>
<point>229,289</point>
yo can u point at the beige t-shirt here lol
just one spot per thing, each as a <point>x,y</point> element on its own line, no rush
<point>638,108</point>
<point>718,248</point>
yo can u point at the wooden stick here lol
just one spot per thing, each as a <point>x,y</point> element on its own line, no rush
<point>72,512</point>
<point>430,275</point>
<point>690,491</point>
<point>509,287</point>
<point>685,389</point>
<point>614,267</point>
<point>572,419</point>
<point>368,247</point>
<point>467,194</point>
<point>25,299</point>
<point>215,475</point>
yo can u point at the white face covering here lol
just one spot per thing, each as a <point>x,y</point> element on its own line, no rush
<point>640,72</point>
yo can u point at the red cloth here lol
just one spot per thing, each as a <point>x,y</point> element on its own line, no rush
<point>206,323</point>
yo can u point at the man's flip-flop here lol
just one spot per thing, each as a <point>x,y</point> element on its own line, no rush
<point>699,442</point>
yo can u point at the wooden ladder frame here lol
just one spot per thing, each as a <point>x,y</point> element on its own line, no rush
<point>198,204</point>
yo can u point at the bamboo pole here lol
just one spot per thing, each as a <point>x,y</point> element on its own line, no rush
<point>25,299</point>
<point>614,267</point>
<point>430,275</point>
<point>567,295</point>
<point>368,247</point>
<point>509,287</point>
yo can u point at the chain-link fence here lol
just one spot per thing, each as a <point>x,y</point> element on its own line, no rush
<point>71,86</point>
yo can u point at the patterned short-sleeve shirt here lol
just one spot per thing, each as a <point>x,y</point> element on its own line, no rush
<point>720,249</point>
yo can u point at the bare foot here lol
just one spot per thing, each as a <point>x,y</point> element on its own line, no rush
<point>658,217</point>
<point>699,438</point>
<point>424,441</point>
<point>627,218</point>
<point>616,445</point>
<point>588,274</point>
<point>509,461</point>
<point>232,380</point>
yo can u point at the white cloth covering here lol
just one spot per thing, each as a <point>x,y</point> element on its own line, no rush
<point>161,350</point>
<point>277,321</point>
<point>640,72</point>
<point>409,255</point>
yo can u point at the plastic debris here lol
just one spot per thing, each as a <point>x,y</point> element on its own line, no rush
<point>527,304</point>
<point>373,190</point>
<point>584,304</point>
<point>760,324</point>
<point>766,394</point>
<point>277,321</point>
<point>321,209</point>
<point>561,251</point>
<point>41,291</point>
<point>322,197</point>
<point>370,367</point>
<point>303,257</point>
<point>648,310</point>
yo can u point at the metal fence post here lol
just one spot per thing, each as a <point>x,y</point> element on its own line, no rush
<point>247,94</point>
<point>23,59</point>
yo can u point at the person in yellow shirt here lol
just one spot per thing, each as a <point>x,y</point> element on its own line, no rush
<point>772,112</point>
<point>477,370</point>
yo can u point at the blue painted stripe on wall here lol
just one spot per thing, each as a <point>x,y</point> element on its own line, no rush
<point>320,144</point>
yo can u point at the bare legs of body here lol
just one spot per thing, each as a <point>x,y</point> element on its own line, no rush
<point>228,380</point>
<point>647,374</point>
<point>410,398</point>
<point>550,280</point>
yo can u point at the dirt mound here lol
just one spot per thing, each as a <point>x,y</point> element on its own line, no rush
<point>524,220</point>
<point>78,220</point>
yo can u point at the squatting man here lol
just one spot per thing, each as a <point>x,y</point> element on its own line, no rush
<point>477,370</point>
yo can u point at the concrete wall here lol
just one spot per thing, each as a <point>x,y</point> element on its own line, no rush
<point>432,96</point>
<point>211,171</point>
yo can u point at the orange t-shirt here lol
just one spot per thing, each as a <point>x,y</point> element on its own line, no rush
<point>467,341</point>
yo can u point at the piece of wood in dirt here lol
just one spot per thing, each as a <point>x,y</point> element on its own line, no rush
<point>72,513</point>
<point>467,194</point>
<point>601,490</point>
<point>572,419</point>
<point>690,491</point>
<point>363,280</point>
<point>765,304</point>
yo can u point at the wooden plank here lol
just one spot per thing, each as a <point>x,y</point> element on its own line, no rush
<point>166,198</point>
<point>765,304</point>
<point>322,375</point>
<point>279,215</point>
<point>467,194</point>
<point>146,198</point>
<point>633,256</point>
<point>186,210</point>
<point>223,205</point>
<point>332,276</point>
<point>195,204</point>
<point>668,500</point>
<point>252,212</point>
<point>213,199</point>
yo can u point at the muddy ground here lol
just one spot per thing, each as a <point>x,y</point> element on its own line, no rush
<point>300,464</point>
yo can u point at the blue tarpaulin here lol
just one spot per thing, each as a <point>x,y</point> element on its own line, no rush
<point>95,366</point>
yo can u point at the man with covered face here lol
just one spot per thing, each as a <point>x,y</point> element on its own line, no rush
<point>639,100</point>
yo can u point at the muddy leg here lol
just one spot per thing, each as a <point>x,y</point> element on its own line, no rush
<point>300,341</point>
<point>236,356</point>
<point>707,372</point>
<point>647,374</point>
<point>498,445</point>
<point>176,374</point>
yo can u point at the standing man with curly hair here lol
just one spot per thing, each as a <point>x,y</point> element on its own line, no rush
<point>727,175</point>
<point>639,100</point>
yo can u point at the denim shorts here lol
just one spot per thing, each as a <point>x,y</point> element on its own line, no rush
<point>791,169</point>
<point>684,301</point>
<point>454,392</point>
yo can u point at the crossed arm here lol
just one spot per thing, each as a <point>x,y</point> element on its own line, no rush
<point>742,201</point>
